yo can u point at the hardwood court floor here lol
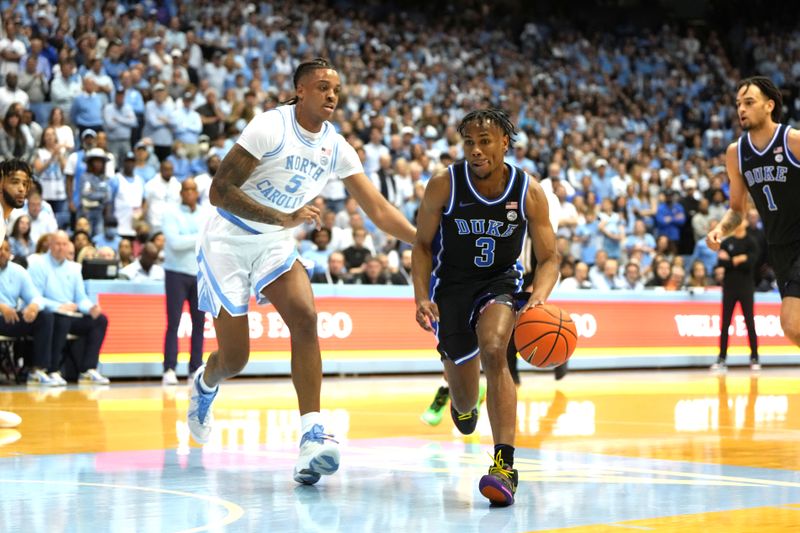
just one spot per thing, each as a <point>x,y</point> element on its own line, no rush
<point>662,451</point>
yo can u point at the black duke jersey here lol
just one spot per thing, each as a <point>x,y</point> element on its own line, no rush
<point>479,238</point>
<point>772,176</point>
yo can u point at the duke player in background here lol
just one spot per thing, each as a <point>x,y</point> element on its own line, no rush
<point>280,163</point>
<point>468,280</point>
<point>765,162</point>
<point>15,180</point>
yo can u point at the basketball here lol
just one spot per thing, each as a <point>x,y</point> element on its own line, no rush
<point>545,336</point>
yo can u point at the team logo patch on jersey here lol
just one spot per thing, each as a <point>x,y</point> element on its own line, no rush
<point>511,214</point>
<point>778,158</point>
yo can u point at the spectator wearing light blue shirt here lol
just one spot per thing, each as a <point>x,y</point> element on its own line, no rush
<point>188,125</point>
<point>31,320</point>
<point>182,225</point>
<point>87,108</point>
<point>119,121</point>
<point>612,227</point>
<point>158,122</point>
<point>61,285</point>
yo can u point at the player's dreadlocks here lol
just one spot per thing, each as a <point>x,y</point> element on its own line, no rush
<point>9,166</point>
<point>495,115</point>
<point>770,91</point>
<point>303,69</point>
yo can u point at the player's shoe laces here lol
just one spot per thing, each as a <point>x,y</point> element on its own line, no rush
<point>319,456</point>
<point>433,414</point>
<point>465,422</point>
<point>199,416</point>
<point>500,484</point>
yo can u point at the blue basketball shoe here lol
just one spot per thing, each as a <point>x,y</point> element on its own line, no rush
<point>199,416</point>
<point>319,456</point>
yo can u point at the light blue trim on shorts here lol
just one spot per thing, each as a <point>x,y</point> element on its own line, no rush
<point>236,221</point>
<point>233,310</point>
<point>275,274</point>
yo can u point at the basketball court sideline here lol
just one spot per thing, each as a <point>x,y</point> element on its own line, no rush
<point>598,451</point>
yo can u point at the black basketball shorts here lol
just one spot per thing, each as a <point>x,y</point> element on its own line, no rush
<point>785,262</point>
<point>460,306</point>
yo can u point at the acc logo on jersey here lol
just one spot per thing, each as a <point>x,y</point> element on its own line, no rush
<point>511,216</point>
<point>778,158</point>
<point>324,159</point>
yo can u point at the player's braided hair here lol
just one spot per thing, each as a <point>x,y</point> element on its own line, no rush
<point>769,89</point>
<point>304,68</point>
<point>498,116</point>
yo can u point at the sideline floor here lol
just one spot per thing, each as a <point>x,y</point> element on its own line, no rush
<point>602,451</point>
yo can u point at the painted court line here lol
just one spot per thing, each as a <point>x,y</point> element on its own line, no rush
<point>234,511</point>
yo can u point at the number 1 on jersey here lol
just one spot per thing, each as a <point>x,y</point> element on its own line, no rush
<point>770,200</point>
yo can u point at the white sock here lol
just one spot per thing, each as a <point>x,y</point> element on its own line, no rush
<point>308,420</point>
<point>205,388</point>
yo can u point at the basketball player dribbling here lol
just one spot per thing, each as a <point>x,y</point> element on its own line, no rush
<point>15,179</point>
<point>467,279</point>
<point>765,162</point>
<point>280,163</point>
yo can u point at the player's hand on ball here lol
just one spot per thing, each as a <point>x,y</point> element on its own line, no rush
<point>530,303</point>
<point>307,213</point>
<point>427,314</point>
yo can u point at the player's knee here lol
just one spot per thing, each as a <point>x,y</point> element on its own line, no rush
<point>234,361</point>
<point>791,328</point>
<point>493,354</point>
<point>303,322</point>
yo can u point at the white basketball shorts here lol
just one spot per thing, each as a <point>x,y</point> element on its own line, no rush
<point>234,263</point>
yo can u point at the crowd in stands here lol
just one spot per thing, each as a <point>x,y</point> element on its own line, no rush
<point>116,104</point>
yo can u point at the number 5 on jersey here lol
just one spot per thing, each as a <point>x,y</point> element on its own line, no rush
<point>294,183</point>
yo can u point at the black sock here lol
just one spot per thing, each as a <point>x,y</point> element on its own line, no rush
<point>506,454</point>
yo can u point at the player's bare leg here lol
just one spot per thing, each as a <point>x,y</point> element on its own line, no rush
<point>494,330</point>
<point>231,357</point>
<point>790,319</point>
<point>292,297</point>
<point>233,339</point>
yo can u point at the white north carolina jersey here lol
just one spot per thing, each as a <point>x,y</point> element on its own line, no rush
<point>294,166</point>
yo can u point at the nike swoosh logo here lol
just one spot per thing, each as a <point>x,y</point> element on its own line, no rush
<point>748,158</point>
<point>465,204</point>
<point>532,354</point>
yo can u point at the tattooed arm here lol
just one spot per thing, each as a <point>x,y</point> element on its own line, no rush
<point>227,194</point>
<point>738,200</point>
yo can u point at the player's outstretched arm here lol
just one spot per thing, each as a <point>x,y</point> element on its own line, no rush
<point>437,194</point>
<point>738,201</point>
<point>378,209</point>
<point>543,239</point>
<point>226,193</point>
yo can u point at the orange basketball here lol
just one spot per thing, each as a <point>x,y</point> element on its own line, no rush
<point>545,336</point>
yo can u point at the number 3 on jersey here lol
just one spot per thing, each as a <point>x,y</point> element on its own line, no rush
<point>770,200</point>
<point>486,245</point>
